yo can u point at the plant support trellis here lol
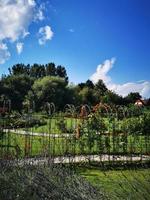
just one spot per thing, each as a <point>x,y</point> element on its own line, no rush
<point>83,134</point>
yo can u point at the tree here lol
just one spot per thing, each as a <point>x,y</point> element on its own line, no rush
<point>112,98</point>
<point>132,97</point>
<point>87,96</point>
<point>81,85</point>
<point>15,87</point>
<point>37,71</point>
<point>101,87</point>
<point>49,89</point>
<point>19,69</point>
<point>61,72</point>
<point>89,84</point>
<point>50,69</point>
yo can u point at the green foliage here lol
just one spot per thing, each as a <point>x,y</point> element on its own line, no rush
<point>28,122</point>
<point>49,89</point>
<point>92,129</point>
<point>15,88</point>
<point>134,111</point>
<point>132,97</point>
<point>137,125</point>
<point>38,71</point>
<point>86,96</point>
<point>61,126</point>
<point>112,98</point>
<point>19,82</point>
<point>61,72</point>
<point>23,85</point>
<point>146,124</point>
<point>89,84</point>
<point>91,94</point>
<point>132,125</point>
<point>17,121</point>
<point>50,69</point>
<point>96,124</point>
<point>101,87</point>
<point>39,183</point>
<point>20,69</point>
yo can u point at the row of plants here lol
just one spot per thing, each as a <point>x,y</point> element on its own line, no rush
<point>96,125</point>
<point>20,146</point>
<point>21,121</point>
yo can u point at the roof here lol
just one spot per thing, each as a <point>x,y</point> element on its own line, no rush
<point>142,101</point>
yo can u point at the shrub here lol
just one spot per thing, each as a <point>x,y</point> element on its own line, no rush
<point>46,183</point>
<point>22,121</point>
<point>131,125</point>
<point>146,124</point>
<point>137,125</point>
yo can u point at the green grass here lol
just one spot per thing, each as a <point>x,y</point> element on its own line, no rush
<point>120,184</point>
<point>56,125</point>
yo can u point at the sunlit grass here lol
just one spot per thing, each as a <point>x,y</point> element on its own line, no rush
<point>120,184</point>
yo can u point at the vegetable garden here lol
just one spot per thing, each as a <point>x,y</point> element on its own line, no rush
<point>116,131</point>
<point>80,153</point>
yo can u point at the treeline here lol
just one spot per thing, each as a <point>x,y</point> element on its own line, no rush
<point>34,85</point>
<point>38,71</point>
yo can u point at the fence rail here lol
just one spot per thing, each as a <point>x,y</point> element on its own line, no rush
<point>75,135</point>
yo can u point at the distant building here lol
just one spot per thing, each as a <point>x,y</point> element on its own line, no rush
<point>141,102</point>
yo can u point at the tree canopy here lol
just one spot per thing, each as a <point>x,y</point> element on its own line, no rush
<point>49,83</point>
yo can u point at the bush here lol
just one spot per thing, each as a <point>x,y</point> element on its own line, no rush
<point>137,125</point>
<point>45,184</point>
<point>131,125</point>
<point>146,124</point>
<point>21,122</point>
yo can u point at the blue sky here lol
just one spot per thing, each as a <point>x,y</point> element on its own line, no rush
<point>107,39</point>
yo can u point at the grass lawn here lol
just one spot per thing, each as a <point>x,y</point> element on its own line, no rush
<point>56,125</point>
<point>120,184</point>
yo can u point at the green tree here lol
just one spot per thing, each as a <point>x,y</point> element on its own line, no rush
<point>89,84</point>
<point>49,89</point>
<point>19,69</point>
<point>50,69</point>
<point>37,71</point>
<point>132,97</point>
<point>87,96</point>
<point>101,87</point>
<point>112,98</point>
<point>81,86</point>
<point>61,72</point>
<point>15,87</point>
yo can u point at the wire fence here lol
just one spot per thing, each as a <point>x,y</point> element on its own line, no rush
<point>76,135</point>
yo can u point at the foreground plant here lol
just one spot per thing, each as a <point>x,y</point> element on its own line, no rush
<point>49,183</point>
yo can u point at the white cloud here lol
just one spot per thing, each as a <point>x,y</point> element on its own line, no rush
<point>31,2</point>
<point>102,70</point>
<point>4,53</point>
<point>123,89</point>
<point>45,33</point>
<point>19,47</point>
<point>39,15</point>
<point>15,17</point>
<point>25,33</point>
